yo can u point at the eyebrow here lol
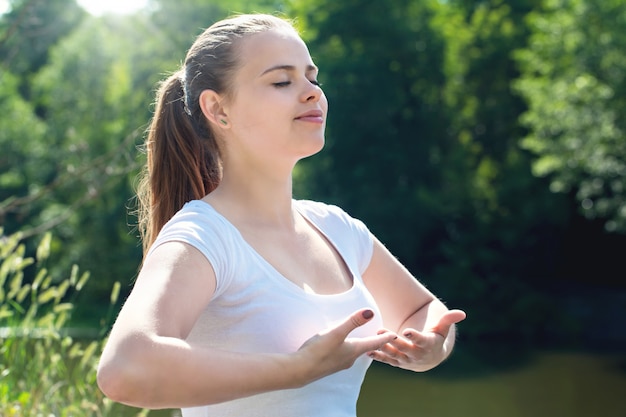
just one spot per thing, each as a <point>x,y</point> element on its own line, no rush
<point>309,68</point>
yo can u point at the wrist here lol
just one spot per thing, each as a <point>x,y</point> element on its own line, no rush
<point>301,370</point>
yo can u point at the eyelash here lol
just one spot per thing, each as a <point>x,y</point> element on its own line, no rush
<point>286,83</point>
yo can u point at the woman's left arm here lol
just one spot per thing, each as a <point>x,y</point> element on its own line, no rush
<point>425,327</point>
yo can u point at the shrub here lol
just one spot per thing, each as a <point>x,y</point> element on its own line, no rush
<point>44,370</point>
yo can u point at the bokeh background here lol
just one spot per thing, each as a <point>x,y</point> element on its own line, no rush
<point>483,142</point>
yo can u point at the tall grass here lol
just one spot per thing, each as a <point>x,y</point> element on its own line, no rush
<point>44,370</point>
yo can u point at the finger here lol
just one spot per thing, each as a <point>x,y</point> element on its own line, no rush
<point>447,320</point>
<point>393,351</point>
<point>384,358</point>
<point>420,339</point>
<point>356,319</point>
<point>373,343</point>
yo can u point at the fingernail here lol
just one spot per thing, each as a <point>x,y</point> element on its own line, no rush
<point>408,335</point>
<point>367,314</point>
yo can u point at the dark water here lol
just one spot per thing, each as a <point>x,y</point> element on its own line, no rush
<point>544,384</point>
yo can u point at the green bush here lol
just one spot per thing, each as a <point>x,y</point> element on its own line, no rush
<point>44,370</point>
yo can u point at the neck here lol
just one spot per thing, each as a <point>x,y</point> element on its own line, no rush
<point>250,199</point>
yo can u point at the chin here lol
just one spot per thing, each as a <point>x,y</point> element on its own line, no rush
<point>309,145</point>
<point>316,146</point>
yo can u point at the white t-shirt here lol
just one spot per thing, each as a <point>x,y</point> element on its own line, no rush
<point>256,309</point>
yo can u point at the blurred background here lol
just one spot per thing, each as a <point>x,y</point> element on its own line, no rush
<point>483,142</point>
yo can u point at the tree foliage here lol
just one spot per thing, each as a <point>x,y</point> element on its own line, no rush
<point>30,29</point>
<point>574,80</point>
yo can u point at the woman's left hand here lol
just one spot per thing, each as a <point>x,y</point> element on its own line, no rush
<point>419,350</point>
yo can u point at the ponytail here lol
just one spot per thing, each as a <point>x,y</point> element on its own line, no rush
<point>182,161</point>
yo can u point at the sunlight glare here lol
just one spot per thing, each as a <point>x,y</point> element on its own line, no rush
<point>100,7</point>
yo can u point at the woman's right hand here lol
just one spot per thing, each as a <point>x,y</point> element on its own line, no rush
<point>332,350</point>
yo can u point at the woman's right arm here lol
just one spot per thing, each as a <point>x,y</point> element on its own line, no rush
<point>147,362</point>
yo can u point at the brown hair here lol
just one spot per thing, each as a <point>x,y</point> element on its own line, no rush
<point>183,158</point>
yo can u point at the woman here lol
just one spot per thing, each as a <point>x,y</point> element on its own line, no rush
<point>251,303</point>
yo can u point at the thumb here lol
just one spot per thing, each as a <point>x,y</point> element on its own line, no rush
<point>447,320</point>
<point>356,319</point>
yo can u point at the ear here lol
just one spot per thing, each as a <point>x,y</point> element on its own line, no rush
<point>213,109</point>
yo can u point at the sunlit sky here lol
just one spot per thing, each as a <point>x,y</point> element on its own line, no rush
<point>99,7</point>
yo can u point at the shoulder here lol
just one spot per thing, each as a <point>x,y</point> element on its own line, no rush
<point>193,218</point>
<point>200,226</point>
<point>346,232</point>
<point>316,210</point>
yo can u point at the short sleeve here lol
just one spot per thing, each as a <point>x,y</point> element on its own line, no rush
<point>198,225</point>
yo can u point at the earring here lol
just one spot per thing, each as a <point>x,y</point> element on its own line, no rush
<point>224,122</point>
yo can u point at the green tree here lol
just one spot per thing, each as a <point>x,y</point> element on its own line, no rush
<point>574,81</point>
<point>95,97</point>
<point>386,129</point>
<point>28,31</point>
<point>183,20</point>
<point>21,140</point>
<point>504,225</point>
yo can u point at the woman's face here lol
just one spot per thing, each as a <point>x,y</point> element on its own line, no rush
<point>277,112</point>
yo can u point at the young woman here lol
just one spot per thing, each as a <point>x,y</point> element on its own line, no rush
<point>251,303</point>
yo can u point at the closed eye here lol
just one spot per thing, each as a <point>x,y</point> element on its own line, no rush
<point>287,83</point>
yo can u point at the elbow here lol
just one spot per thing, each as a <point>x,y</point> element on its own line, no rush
<point>117,383</point>
<point>124,378</point>
<point>108,380</point>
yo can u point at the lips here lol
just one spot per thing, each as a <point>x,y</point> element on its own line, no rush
<point>315,116</point>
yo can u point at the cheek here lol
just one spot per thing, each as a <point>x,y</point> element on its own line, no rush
<point>268,109</point>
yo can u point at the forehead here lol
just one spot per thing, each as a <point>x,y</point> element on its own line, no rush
<point>274,47</point>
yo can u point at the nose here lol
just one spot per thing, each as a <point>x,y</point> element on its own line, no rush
<point>312,92</point>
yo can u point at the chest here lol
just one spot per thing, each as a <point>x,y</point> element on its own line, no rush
<point>262,312</point>
<point>307,258</point>
<point>275,292</point>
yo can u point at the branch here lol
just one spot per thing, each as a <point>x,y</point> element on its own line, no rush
<point>12,204</point>
<point>95,188</point>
